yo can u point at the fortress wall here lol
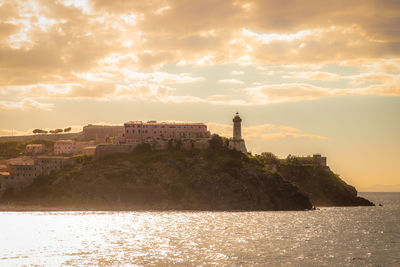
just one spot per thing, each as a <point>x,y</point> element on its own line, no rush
<point>101,131</point>
<point>109,149</point>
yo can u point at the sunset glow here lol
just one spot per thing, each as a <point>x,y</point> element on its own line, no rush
<point>306,76</point>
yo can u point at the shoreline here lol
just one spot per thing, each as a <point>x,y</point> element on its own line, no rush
<point>37,208</point>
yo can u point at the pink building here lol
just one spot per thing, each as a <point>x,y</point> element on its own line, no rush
<point>65,147</point>
<point>34,148</point>
<point>138,131</point>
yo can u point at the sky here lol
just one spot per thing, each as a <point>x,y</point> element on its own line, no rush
<point>306,76</point>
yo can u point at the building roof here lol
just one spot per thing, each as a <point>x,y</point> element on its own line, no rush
<point>21,161</point>
<point>164,123</point>
<point>34,145</point>
<point>52,157</point>
<point>64,141</point>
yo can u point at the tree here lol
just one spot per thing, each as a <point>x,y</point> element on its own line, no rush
<point>216,142</point>
<point>67,129</point>
<point>268,158</point>
<point>58,130</point>
<point>39,131</point>
<point>292,160</point>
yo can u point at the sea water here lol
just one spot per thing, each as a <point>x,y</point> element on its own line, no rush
<point>353,236</point>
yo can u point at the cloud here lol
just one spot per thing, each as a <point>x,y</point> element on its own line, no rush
<point>263,132</point>
<point>389,88</point>
<point>235,72</point>
<point>24,104</point>
<point>292,92</point>
<point>107,50</point>
<point>230,81</point>
<point>12,132</point>
<point>371,77</point>
<point>313,75</point>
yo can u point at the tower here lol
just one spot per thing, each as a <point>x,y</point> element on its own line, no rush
<point>237,143</point>
<point>237,127</point>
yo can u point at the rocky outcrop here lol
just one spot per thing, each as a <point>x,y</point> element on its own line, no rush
<point>322,186</point>
<point>211,179</point>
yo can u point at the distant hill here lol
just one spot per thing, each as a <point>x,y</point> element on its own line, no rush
<point>382,188</point>
<point>54,137</point>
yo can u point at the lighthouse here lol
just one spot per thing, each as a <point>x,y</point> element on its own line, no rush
<point>237,143</point>
<point>237,127</point>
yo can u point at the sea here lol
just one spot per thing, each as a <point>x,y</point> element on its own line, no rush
<point>337,236</point>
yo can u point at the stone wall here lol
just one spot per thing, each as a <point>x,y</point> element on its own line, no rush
<point>96,132</point>
<point>104,150</point>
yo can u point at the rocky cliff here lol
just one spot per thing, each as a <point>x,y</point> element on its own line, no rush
<point>212,179</point>
<point>216,178</point>
<point>322,186</point>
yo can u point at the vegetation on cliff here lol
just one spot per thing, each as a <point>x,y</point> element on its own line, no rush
<point>322,186</point>
<point>212,179</point>
<point>10,149</point>
<point>319,183</point>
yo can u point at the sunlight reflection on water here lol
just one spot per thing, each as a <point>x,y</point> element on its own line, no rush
<point>330,236</point>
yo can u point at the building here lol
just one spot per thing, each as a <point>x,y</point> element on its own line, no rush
<point>65,147</point>
<point>314,160</point>
<point>136,132</point>
<point>22,171</point>
<point>237,143</point>
<point>47,164</point>
<point>101,132</point>
<point>89,150</point>
<point>35,148</point>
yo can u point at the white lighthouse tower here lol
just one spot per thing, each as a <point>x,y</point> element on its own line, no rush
<point>237,142</point>
<point>237,127</point>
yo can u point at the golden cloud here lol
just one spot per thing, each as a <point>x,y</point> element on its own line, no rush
<point>108,49</point>
<point>263,132</point>
<point>24,104</point>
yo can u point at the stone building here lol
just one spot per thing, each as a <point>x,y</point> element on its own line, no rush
<point>136,132</point>
<point>47,164</point>
<point>35,148</point>
<point>314,160</point>
<point>65,147</point>
<point>101,132</point>
<point>22,171</point>
<point>237,143</point>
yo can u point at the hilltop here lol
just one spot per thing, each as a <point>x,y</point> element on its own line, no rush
<point>213,179</point>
